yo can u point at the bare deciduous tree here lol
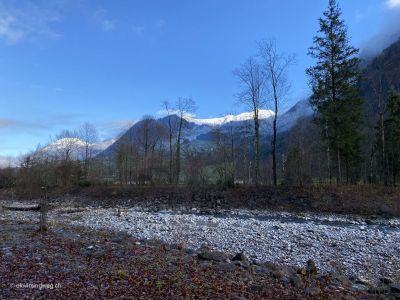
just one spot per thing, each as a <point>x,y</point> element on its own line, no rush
<point>171,124</point>
<point>183,107</point>
<point>252,81</point>
<point>89,135</point>
<point>68,145</point>
<point>275,67</point>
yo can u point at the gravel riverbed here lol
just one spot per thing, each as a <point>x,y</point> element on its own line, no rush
<point>367,249</point>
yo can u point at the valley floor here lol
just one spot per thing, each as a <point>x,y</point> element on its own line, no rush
<point>365,250</point>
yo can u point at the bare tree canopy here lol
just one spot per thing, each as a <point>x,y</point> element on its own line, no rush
<point>184,107</point>
<point>275,67</point>
<point>252,83</point>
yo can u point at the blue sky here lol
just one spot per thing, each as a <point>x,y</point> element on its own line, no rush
<point>64,62</point>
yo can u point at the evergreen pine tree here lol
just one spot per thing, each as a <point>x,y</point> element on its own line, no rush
<point>334,80</point>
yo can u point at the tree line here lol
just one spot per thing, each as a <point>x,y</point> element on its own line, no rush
<point>334,146</point>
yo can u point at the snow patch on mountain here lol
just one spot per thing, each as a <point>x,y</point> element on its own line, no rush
<point>262,114</point>
<point>64,143</point>
<point>74,148</point>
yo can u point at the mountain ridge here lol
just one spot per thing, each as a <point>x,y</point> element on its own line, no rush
<point>200,129</point>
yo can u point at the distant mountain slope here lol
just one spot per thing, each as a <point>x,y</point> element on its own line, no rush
<point>388,65</point>
<point>201,129</point>
<point>74,148</point>
<point>380,74</point>
<point>300,110</point>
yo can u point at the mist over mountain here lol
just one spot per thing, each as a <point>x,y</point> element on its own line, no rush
<point>381,73</point>
<point>388,34</point>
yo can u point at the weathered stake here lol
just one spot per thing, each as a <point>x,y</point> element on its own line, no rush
<point>43,210</point>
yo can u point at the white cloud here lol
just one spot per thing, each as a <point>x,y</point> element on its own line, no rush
<point>108,25</point>
<point>388,33</point>
<point>164,113</point>
<point>138,29</point>
<point>8,29</point>
<point>114,128</point>
<point>101,18</point>
<point>393,3</point>
<point>8,161</point>
<point>26,20</point>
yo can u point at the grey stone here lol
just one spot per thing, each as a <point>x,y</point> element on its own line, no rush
<point>120,237</point>
<point>278,274</point>
<point>369,222</point>
<point>240,257</point>
<point>341,280</point>
<point>295,280</point>
<point>226,267</point>
<point>212,255</point>
<point>378,290</point>
<point>241,264</point>
<point>395,288</point>
<point>262,270</point>
<point>313,291</point>
<point>256,288</point>
<point>385,209</point>
<point>385,280</point>
<point>190,251</point>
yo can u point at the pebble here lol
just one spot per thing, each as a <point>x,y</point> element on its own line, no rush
<point>268,238</point>
<point>333,242</point>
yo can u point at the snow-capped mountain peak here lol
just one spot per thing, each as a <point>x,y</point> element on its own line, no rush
<point>262,114</point>
<point>73,148</point>
<point>64,143</point>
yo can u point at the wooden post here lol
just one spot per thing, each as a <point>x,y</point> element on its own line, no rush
<point>43,210</point>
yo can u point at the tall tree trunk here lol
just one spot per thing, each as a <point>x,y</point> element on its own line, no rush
<point>371,159</point>
<point>328,154</point>
<point>170,150</point>
<point>378,93</point>
<point>86,160</point>
<point>256,147</point>
<point>178,151</point>
<point>382,136</point>
<point>275,177</point>
<point>232,158</point>
<point>339,169</point>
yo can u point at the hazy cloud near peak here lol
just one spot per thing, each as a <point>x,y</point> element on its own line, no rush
<point>115,128</point>
<point>386,35</point>
<point>7,161</point>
